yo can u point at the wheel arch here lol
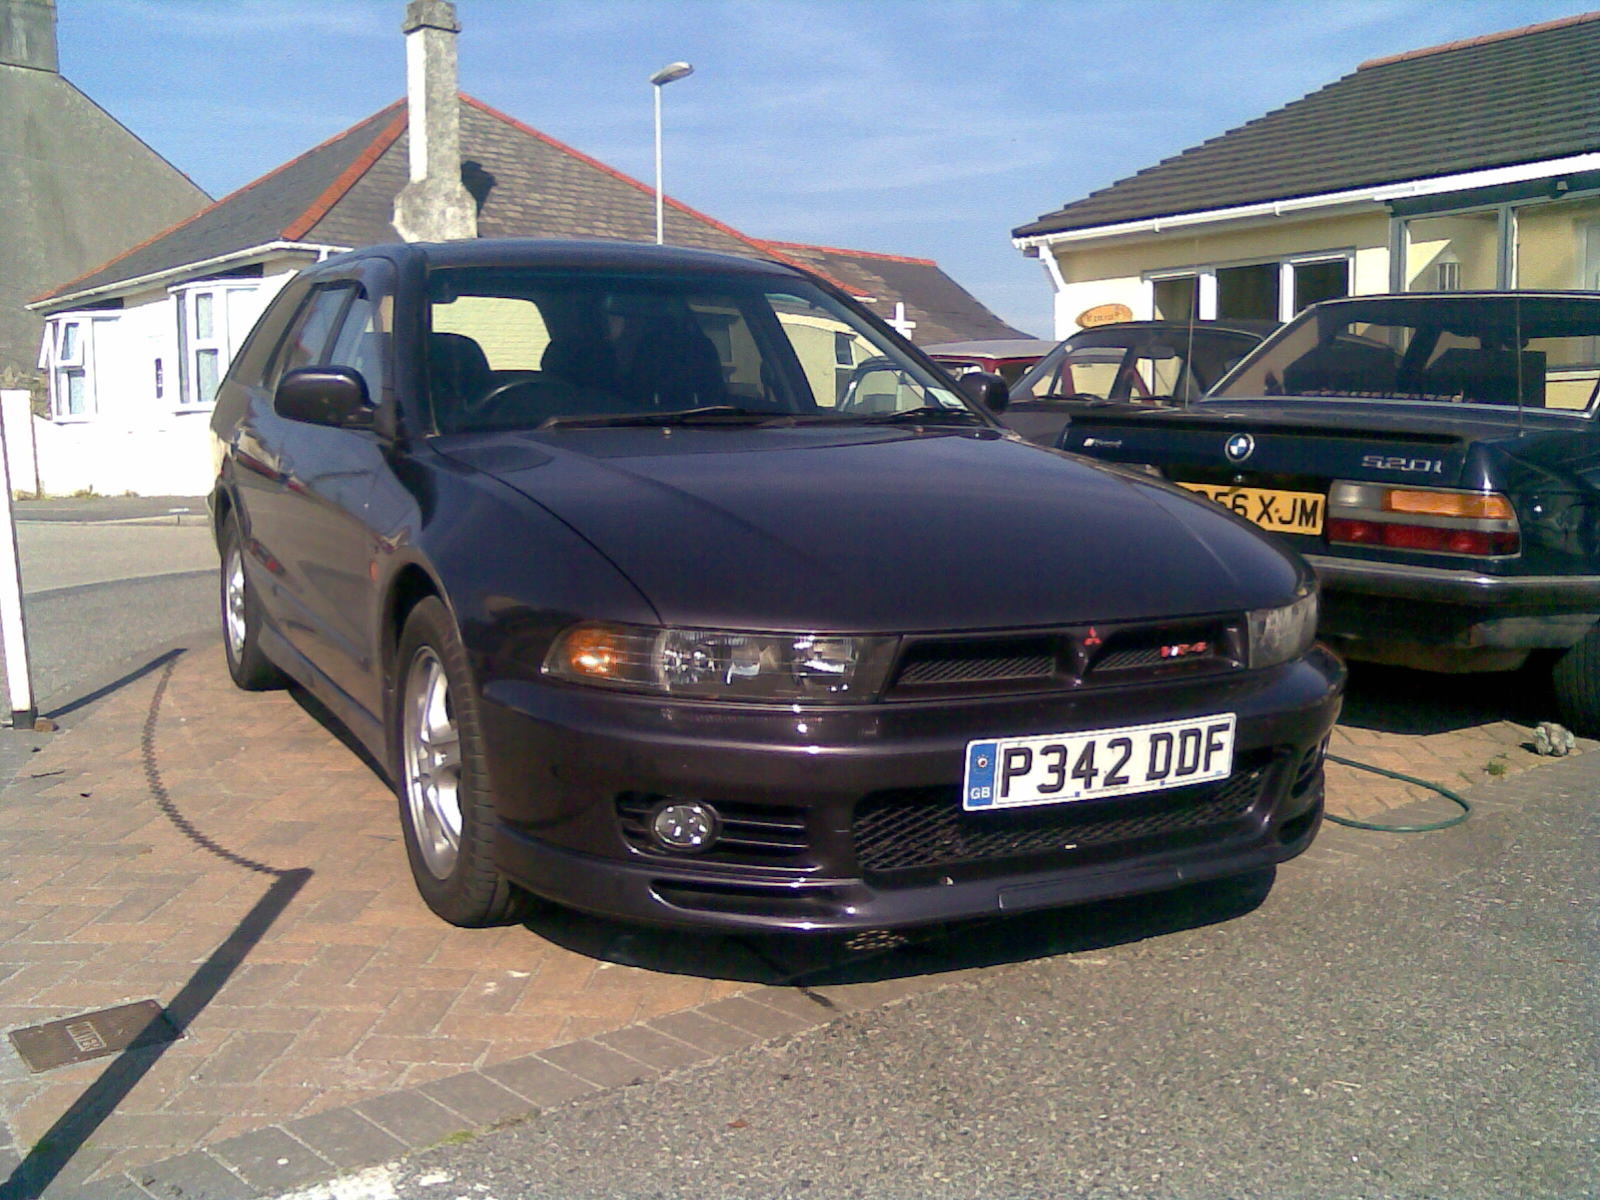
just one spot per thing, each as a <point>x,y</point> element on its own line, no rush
<point>410,585</point>
<point>222,507</point>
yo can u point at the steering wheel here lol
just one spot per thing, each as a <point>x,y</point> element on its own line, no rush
<point>520,402</point>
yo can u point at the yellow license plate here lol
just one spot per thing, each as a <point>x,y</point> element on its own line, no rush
<point>1281,512</point>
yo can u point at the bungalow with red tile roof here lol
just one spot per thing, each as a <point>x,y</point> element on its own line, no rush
<point>161,321</point>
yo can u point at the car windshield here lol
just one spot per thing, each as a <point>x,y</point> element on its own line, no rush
<point>1128,363</point>
<point>527,349</point>
<point>1532,351</point>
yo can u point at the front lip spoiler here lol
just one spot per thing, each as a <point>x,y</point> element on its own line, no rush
<point>643,892</point>
<point>1452,586</point>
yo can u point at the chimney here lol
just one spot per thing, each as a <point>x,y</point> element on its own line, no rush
<point>28,35</point>
<point>435,206</point>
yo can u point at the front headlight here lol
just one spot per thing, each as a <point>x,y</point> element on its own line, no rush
<point>1280,634</point>
<point>808,668</point>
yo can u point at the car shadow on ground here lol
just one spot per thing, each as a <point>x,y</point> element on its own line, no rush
<point>325,716</point>
<point>1405,701</point>
<point>820,960</point>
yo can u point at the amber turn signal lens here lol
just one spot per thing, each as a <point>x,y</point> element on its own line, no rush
<point>1449,504</point>
<point>593,651</point>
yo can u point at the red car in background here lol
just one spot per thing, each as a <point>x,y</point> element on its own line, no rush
<point>1008,358</point>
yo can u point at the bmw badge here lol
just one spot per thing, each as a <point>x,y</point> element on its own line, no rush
<point>1239,447</point>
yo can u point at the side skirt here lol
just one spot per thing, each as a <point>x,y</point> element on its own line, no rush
<point>367,729</point>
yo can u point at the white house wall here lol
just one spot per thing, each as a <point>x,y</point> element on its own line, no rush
<point>136,441</point>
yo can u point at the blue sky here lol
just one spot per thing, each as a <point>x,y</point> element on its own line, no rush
<point>921,127</point>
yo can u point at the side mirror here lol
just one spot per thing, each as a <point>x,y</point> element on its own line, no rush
<point>334,396</point>
<point>988,390</point>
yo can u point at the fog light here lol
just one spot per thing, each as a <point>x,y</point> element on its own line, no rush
<point>684,825</point>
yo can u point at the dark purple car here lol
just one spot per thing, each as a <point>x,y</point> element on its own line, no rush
<point>654,605</point>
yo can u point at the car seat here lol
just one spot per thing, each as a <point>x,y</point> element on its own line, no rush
<point>672,366</point>
<point>458,375</point>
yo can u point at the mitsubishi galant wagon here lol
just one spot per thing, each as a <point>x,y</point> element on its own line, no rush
<point>651,607</point>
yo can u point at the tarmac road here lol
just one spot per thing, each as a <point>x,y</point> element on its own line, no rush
<point>1399,1017</point>
<point>109,584</point>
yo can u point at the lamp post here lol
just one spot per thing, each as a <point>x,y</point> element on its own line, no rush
<point>660,80</point>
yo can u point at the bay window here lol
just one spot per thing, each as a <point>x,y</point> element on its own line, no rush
<point>213,319</point>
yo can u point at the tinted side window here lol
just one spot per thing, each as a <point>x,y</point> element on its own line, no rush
<point>308,337</point>
<point>362,343</point>
<point>251,363</point>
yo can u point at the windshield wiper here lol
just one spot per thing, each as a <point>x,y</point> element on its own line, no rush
<point>711,414</point>
<point>928,414</point>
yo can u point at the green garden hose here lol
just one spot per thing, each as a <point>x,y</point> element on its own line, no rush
<point>1466,809</point>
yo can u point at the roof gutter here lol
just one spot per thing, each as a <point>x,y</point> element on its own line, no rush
<point>137,282</point>
<point>1322,203</point>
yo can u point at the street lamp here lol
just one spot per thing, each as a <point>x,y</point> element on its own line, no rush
<point>660,80</point>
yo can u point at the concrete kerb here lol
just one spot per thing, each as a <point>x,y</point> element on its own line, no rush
<point>384,1128</point>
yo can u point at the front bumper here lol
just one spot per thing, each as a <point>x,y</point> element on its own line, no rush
<point>566,763</point>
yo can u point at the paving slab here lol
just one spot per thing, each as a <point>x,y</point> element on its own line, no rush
<point>228,856</point>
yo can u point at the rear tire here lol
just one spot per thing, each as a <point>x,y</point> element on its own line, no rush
<point>441,776</point>
<point>249,668</point>
<point>1576,679</point>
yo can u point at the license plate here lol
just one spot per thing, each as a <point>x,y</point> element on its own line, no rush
<point>1281,512</point>
<point>1059,768</point>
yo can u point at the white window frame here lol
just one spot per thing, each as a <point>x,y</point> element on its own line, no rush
<point>1205,275</point>
<point>224,339</point>
<point>55,363</point>
<point>1589,254</point>
<point>1286,309</point>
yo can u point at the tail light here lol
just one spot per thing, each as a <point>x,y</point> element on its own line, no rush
<point>1436,520</point>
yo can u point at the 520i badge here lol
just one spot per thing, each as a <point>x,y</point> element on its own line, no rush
<point>1392,462</point>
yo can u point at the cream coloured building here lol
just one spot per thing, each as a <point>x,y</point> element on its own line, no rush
<point>1469,165</point>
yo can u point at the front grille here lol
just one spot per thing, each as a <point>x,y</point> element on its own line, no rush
<point>927,827</point>
<point>1129,660</point>
<point>1082,656</point>
<point>1185,645</point>
<point>751,833</point>
<point>982,662</point>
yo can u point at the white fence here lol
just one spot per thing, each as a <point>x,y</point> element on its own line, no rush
<point>170,459</point>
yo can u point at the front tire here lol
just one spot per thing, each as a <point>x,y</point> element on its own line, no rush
<point>249,668</point>
<point>1576,679</point>
<point>441,776</point>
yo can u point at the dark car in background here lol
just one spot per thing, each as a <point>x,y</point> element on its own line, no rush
<point>582,542</point>
<point>1130,362</point>
<point>1435,457</point>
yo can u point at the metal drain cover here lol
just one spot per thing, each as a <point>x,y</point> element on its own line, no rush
<point>93,1035</point>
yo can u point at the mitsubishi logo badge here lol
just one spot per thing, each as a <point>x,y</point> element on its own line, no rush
<point>1239,447</point>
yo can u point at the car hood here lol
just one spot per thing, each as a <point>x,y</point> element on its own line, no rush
<point>881,530</point>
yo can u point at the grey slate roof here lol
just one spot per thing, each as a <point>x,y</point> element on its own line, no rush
<point>1522,96</point>
<point>943,310</point>
<point>527,184</point>
<point>256,214</point>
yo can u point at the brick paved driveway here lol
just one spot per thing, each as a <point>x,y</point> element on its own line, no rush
<point>224,854</point>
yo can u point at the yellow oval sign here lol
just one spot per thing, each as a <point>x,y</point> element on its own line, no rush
<point>1104,314</point>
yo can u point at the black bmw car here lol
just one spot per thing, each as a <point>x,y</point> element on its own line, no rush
<point>652,608</point>
<point>1437,460</point>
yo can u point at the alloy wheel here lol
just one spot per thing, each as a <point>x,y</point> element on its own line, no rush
<point>233,620</point>
<point>432,751</point>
